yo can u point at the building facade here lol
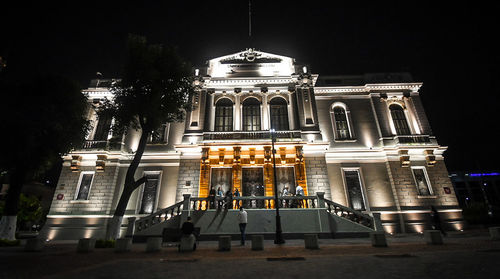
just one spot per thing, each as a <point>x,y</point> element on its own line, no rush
<point>363,141</point>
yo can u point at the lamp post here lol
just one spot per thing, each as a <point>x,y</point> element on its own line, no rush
<point>279,236</point>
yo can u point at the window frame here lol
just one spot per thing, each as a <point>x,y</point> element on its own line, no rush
<point>426,175</point>
<point>231,109</point>
<point>406,119</point>
<point>258,108</point>
<point>78,186</point>
<point>286,114</point>
<point>362,186</point>
<point>347,113</point>
<point>141,193</point>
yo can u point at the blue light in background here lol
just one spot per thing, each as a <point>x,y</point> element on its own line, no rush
<point>484,174</point>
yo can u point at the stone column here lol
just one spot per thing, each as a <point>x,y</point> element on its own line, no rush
<point>237,113</point>
<point>265,113</point>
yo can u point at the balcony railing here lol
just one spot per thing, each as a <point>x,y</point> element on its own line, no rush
<point>101,145</point>
<point>250,135</point>
<point>413,139</point>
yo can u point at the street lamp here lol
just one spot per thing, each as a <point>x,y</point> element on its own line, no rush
<point>279,236</point>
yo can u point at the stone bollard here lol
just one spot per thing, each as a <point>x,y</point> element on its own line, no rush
<point>311,241</point>
<point>153,244</point>
<point>123,245</point>
<point>378,239</point>
<point>85,245</point>
<point>34,244</point>
<point>495,233</point>
<point>257,242</point>
<point>188,243</point>
<point>433,237</point>
<point>225,243</point>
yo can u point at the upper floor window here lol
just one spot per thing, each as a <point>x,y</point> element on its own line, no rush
<point>341,122</point>
<point>341,125</point>
<point>224,115</point>
<point>251,115</point>
<point>103,126</point>
<point>279,114</point>
<point>160,135</point>
<point>399,119</point>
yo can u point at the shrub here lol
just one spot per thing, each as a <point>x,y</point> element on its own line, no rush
<point>8,243</point>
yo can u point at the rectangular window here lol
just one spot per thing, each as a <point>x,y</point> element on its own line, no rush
<point>354,190</point>
<point>84,184</point>
<point>160,135</point>
<point>149,193</point>
<point>422,181</point>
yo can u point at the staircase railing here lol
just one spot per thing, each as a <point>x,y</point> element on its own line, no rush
<point>350,214</point>
<point>159,217</point>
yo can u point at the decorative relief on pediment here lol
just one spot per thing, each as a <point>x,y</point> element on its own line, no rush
<point>250,56</point>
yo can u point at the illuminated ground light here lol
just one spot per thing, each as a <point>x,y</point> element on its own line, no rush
<point>390,229</point>
<point>52,234</point>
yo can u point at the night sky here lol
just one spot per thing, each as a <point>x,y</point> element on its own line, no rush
<point>450,49</point>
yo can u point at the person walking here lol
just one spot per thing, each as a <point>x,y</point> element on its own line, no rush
<point>242,220</point>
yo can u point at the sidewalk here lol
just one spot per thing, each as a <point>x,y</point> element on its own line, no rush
<point>61,259</point>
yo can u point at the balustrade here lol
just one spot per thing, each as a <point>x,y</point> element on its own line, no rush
<point>159,216</point>
<point>349,213</point>
<point>258,202</point>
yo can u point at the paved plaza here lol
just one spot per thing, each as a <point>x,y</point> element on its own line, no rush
<point>464,255</point>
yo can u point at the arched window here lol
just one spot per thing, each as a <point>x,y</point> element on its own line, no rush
<point>341,124</point>
<point>251,115</point>
<point>279,114</point>
<point>399,119</point>
<point>224,115</point>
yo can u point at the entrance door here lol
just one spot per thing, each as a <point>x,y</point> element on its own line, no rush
<point>252,181</point>
<point>285,177</point>
<point>222,178</point>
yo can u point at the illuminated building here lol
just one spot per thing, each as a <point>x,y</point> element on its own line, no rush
<point>364,141</point>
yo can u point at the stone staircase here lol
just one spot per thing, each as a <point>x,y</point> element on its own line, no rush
<point>315,215</point>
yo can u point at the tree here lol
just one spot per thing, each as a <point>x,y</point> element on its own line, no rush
<point>43,118</point>
<point>154,89</point>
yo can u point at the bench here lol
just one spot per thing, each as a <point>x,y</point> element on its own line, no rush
<point>171,237</point>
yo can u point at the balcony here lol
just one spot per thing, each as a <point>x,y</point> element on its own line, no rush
<point>413,139</point>
<point>251,135</point>
<point>101,145</point>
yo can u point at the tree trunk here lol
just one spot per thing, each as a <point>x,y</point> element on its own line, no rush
<point>9,219</point>
<point>114,225</point>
